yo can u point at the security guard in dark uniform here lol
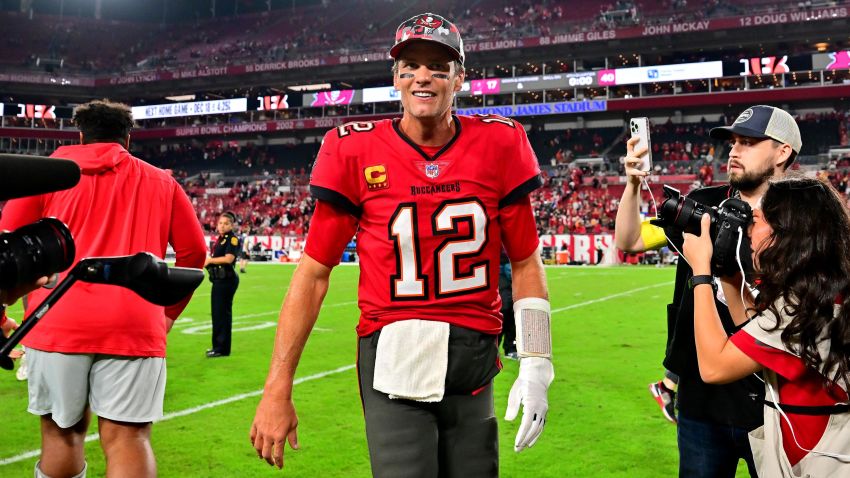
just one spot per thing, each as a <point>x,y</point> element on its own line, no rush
<point>222,274</point>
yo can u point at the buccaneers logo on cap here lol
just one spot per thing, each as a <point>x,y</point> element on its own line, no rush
<point>428,21</point>
<point>376,177</point>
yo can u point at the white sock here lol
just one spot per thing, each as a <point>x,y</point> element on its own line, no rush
<point>82,474</point>
<point>40,474</point>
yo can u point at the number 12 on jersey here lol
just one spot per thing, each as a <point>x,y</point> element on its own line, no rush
<point>409,282</point>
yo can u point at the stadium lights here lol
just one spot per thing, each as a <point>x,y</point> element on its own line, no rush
<point>313,87</point>
<point>180,98</point>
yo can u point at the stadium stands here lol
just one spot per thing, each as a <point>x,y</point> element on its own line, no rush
<point>266,185</point>
<point>76,43</point>
<point>277,206</point>
<point>230,158</point>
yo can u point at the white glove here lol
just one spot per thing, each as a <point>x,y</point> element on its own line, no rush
<point>530,388</point>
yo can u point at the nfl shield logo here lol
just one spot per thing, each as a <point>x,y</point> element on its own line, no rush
<point>432,170</point>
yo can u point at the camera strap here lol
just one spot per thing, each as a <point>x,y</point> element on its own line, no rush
<point>781,408</point>
<point>810,410</point>
<point>681,282</point>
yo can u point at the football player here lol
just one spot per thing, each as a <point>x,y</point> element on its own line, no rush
<point>433,197</point>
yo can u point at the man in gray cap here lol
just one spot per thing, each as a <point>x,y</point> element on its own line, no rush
<point>713,420</point>
<point>433,198</point>
<point>757,160</point>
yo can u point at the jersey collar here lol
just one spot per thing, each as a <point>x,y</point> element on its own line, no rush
<point>416,146</point>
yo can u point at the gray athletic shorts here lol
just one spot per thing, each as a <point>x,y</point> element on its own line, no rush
<point>123,389</point>
<point>454,438</point>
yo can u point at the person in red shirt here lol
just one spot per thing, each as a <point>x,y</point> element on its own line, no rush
<point>799,333</point>
<point>433,198</point>
<point>101,348</point>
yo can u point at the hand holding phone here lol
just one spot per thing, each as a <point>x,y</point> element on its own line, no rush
<point>639,128</point>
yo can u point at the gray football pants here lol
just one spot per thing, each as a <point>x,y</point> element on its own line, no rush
<point>454,438</point>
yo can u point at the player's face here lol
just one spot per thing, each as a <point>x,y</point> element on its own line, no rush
<point>224,225</point>
<point>751,161</point>
<point>427,80</point>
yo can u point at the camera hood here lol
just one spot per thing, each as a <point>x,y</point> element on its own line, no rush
<point>144,274</point>
<point>23,175</point>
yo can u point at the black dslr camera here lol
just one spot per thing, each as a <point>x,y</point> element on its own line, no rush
<point>684,214</point>
<point>40,249</point>
<point>45,246</point>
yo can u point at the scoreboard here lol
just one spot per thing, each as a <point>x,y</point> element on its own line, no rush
<point>35,111</point>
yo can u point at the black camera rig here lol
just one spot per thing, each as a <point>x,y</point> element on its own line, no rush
<point>729,223</point>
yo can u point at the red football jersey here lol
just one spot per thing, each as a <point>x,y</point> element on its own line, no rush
<point>429,235</point>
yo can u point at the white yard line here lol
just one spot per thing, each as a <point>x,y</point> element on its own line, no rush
<point>190,322</point>
<point>612,296</point>
<point>189,411</point>
<point>241,396</point>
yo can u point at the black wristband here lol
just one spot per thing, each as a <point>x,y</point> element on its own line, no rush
<point>701,279</point>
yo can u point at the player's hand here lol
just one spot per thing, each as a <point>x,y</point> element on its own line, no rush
<point>274,424</point>
<point>530,391</point>
<point>698,249</point>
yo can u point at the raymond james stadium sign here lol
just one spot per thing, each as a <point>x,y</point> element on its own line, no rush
<point>565,107</point>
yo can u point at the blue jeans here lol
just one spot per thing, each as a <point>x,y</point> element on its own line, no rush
<point>707,450</point>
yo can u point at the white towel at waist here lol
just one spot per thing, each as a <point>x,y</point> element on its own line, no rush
<point>412,359</point>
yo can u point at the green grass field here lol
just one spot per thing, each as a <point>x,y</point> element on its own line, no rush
<point>609,333</point>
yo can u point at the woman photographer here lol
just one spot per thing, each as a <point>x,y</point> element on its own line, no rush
<point>221,267</point>
<point>799,335</point>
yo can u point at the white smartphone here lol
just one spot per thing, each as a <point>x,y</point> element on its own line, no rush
<point>640,129</point>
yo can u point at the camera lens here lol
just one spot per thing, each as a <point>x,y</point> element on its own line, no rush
<point>691,216</point>
<point>35,250</point>
<point>728,221</point>
<point>684,213</point>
